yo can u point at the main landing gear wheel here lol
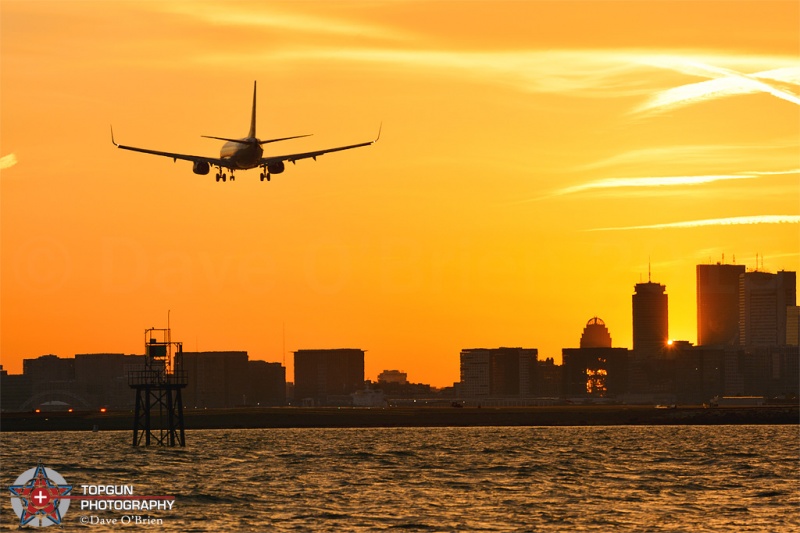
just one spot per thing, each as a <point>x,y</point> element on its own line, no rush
<point>267,176</point>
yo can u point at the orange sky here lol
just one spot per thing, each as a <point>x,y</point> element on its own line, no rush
<point>534,157</point>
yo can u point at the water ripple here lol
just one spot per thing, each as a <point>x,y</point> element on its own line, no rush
<point>441,479</point>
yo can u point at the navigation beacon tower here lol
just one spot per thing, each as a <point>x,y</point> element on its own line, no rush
<point>158,418</point>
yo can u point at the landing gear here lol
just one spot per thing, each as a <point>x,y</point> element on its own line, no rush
<point>221,176</point>
<point>265,176</point>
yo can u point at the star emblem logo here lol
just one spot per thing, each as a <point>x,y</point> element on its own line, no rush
<point>39,493</point>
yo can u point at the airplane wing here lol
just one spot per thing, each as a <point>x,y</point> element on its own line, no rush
<point>316,153</point>
<point>184,157</point>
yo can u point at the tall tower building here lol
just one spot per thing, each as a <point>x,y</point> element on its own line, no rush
<point>650,319</point>
<point>764,299</point>
<point>718,304</point>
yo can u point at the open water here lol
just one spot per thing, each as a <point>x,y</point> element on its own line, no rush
<point>634,478</point>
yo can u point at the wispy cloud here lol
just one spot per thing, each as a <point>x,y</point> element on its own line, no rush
<point>229,14</point>
<point>592,73</point>
<point>614,73</point>
<point>584,73</point>
<point>776,172</point>
<point>732,221</point>
<point>8,161</point>
<point>781,153</point>
<point>724,82</point>
<point>655,184</point>
<point>664,181</point>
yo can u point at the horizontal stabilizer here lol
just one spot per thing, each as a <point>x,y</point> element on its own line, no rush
<point>243,141</point>
<point>248,141</point>
<point>284,138</point>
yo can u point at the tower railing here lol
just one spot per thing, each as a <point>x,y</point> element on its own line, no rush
<point>156,377</point>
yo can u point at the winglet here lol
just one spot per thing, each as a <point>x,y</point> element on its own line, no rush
<point>112,137</point>
<point>379,133</point>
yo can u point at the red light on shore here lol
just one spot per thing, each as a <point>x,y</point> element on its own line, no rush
<point>38,411</point>
<point>70,410</point>
<point>102,409</point>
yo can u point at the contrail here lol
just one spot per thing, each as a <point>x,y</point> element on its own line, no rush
<point>659,181</point>
<point>731,221</point>
<point>663,181</point>
<point>8,161</point>
<point>668,181</point>
<point>776,172</point>
<point>726,82</point>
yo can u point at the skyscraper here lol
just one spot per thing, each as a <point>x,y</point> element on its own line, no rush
<point>650,319</point>
<point>718,304</point>
<point>764,299</point>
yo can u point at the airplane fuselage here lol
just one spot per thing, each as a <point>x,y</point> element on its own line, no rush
<point>244,154</point>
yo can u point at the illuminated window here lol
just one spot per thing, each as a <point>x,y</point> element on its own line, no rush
<point>596,381</point>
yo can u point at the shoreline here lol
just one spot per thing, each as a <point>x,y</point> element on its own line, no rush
<point>350,417</point>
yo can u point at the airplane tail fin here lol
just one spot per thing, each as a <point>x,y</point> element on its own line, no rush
<point>252,133</point>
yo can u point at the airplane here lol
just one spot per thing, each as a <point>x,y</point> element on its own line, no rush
<point>245,153</point>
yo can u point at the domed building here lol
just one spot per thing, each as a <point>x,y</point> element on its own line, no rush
<point>595,335</point>
<point>595,370</point>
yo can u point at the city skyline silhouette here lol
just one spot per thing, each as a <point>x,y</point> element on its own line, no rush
<point>763,320</point>
<point>518,258</point>
<point>529,171</point>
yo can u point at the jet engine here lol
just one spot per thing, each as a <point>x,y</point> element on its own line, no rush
<point>200,167</point>
<point>275,168</point>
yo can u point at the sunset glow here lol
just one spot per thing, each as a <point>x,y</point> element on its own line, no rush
<point>536,158</point>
